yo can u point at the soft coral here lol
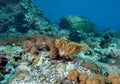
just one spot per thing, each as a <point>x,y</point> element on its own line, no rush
<point>67,49</point>
<point>56,47</point>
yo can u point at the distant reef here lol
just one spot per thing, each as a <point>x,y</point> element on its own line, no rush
<point>21,16</point>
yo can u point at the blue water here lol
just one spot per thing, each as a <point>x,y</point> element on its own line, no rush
<point>105,13</point>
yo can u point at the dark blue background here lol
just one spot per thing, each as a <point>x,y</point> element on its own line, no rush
<point>105,13</point>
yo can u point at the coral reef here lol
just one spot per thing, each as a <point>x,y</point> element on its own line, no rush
<point>28,17</point>
<point>55,29</point>
<point>44,70</point>
<point>77,23</point>
<point>109,36</point>
<point>32,49</point>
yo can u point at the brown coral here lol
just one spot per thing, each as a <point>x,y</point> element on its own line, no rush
<point>67,49</point>
<point>114,78</point>
<point>53,51</point>
<point>38,42</point>
<point>82,78</point>
<point>35,42</point>
<point>93,67</point>
<point>73,74</point>
<point>28,46</point>
<point>96,79</point>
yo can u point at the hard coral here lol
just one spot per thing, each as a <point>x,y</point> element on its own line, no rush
<point>82,78</point>
<point>96,79</point>
<point>67,49</point>
<point>114,78</point>
<point>73,74</point>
